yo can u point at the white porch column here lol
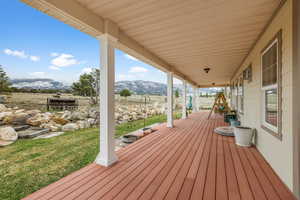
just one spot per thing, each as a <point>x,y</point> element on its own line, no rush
<point>195,107</point>
<point>170,100</point>
<point>198,100</point>
<point>184,100</point>
<point>107,154</point>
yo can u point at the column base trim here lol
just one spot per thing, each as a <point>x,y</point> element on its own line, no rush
<point>106,162</point>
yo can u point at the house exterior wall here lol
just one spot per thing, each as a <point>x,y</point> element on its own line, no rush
<point>279,153</point>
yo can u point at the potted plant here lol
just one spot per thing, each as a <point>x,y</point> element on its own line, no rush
<point>234,122</point>
<point>243,136</point>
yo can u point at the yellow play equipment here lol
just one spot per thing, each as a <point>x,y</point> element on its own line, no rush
<point>220,105</point>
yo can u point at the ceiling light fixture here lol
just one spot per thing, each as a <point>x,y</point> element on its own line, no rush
<point>207,69</point>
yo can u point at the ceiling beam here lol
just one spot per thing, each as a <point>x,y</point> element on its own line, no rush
<point>216,85</point>
<point>72,13</point>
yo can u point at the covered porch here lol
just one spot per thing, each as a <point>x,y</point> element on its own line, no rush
<point>183,38</point>
<point>189,161</point>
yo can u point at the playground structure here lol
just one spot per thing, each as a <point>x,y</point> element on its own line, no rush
<point>220,105</point>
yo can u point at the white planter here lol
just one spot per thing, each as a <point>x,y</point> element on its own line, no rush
<point>243,136</point>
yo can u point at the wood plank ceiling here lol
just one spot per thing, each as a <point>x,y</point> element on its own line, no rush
<point>192,34</point>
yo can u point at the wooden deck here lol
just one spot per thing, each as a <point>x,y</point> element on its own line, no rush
<point>185,162</point>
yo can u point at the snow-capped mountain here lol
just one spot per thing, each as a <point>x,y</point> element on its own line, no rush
<point>39,83</point>
<point>137,87</point>
<point>142,87</point>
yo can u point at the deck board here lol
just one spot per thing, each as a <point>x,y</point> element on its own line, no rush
<point>188,161</point>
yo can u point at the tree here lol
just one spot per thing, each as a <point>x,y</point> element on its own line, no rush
<point>176,97</point>
<point>4,81</point>
<point>125,93</point>
<point>88,85</point>
<point>96,84</point>
<point>177,93</point>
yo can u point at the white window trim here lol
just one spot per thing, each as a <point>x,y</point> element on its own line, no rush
<point>269,87</point>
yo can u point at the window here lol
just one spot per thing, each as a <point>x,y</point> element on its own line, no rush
<point>271,86</point>
<point>271,107</point>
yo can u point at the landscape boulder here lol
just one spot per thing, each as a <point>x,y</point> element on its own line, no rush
<point>67,115</point>
<point>70,127</point>
<point>19,111</point>
<point>32,113</point>
<point>8,135</point>
<point>83,124</point>
<point>52,126</point>
<point>32,132</point>
<point>2,108</point>
<point>16,118</point>
<point>39,119</point>
<point>91,121</point>
<point>60,120</point>
<point>93,113</point>
<point>77,115</point>
<point>4,114</point>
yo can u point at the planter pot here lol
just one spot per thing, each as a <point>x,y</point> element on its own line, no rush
<point>129,138</point>
<point>224,130</point>
<point>234,123</point>
<point>243,136</point>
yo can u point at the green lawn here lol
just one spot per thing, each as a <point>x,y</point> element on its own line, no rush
<point>29,165</point>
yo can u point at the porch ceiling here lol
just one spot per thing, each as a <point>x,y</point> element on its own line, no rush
<point>189,35</point>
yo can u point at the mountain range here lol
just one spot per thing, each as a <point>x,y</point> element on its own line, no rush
<point>137,86</point>
<point>38,83</point>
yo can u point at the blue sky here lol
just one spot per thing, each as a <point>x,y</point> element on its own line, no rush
<point>34,45</point>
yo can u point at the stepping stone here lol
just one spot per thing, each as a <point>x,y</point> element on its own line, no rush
<point>33,132</point>
<point>49,135</point>
<point>21,127</point>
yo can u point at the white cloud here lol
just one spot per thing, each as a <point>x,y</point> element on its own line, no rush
<point>37,74</point>
<point>54,54</point>
<point>64,60</point>
<point>34,58</point>
<point>130,57</point>
<point>21,54</point>
<point>54,67</point>
<point>138,69</point>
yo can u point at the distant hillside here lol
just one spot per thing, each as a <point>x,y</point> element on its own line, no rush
<point>38,83</point>
<point>142,87</point>
<point>138,87</point>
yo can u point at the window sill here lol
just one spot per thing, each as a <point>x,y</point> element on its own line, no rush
<point>273,133</point>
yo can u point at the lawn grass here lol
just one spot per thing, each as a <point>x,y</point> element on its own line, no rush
<point>29,165</point>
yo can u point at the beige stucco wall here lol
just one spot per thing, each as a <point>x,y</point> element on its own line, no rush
<point>278,153</point>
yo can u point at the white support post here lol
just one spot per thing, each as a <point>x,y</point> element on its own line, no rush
<point>184,100</point>
<point>198,100</point>
<point>107,155</point>
<point>170,100</point>
<point>195,99</point>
